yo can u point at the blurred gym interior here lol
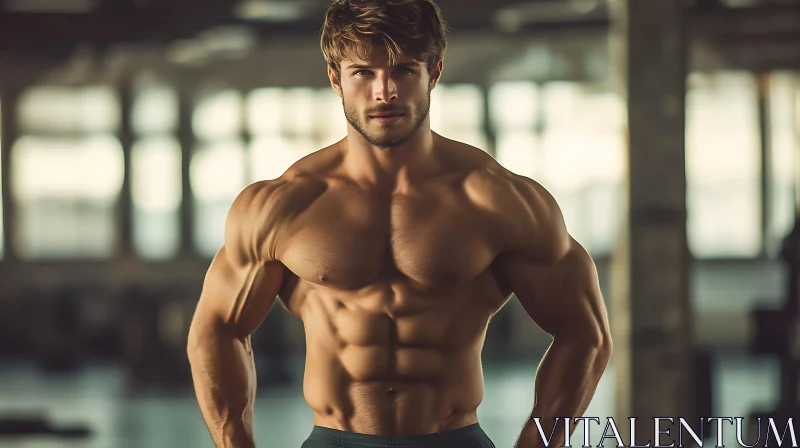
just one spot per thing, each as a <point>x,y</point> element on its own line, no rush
<point>128,127</point>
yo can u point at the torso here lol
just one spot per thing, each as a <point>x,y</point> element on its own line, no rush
<point>395,292</point>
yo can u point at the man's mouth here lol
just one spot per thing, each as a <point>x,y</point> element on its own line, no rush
<point>387,117</point>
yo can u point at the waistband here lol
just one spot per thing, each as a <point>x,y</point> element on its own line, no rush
<point>466,436</point>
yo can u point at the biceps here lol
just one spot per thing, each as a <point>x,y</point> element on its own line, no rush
<point>238,296</point>
<point>562,297</point>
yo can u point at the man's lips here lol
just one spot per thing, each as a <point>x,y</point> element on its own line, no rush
<point>387,118</point>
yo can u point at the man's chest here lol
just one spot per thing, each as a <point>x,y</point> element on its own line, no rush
<point>349,241</point>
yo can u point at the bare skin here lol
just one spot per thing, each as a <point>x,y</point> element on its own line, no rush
<point>395,259</point>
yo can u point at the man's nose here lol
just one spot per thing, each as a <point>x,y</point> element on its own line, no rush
<point>385,88</point>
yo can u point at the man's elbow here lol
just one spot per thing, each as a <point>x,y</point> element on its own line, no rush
<point>594,340</point>
<point>202,335</point>
<point>208,333</point>
<point>602,347</point>
<point>194,341</point>
<point>605,348</point>
<point>601,338</point>
<point>599,342</point>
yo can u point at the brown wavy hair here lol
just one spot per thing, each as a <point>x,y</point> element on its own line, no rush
<point>405,28</point>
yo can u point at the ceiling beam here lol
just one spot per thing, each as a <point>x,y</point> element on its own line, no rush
<point>159,22</point>
<point>758,38</point>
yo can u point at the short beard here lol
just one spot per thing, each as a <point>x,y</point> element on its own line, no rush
<point>418,114</point>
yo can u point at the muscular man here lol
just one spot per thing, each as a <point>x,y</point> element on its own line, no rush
<point>395,246</point>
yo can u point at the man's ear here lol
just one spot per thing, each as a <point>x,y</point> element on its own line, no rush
<point>436,73</point>
<point>335,83</point>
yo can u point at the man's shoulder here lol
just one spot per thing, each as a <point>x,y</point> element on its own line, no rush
<point>526,213</point>
<point>496,188</point>
<point>277,196</point>
<point>262,208</point>
<point>303,179</point>
<point>492,186</point>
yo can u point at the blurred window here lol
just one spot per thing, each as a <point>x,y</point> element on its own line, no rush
<point>264,111</point>
<point>69,110</point>
<point>68,170</point>
<point>287,125</point>
<point>156,186</point>
<point>155,111</point>
<point>514,115</point>
<point>784,137</point>
<point>519,152</point>
<point>297,111</point>
<point>582,159</point>
<point>66,191</point>
<point>156,190</point>
<point>457,112</point>
<point>330,118</point>
<point>513,106</point>
<point>723,166</point>
<point>218,115</point>
<point>271,156</point>
<point>218,171</point>
<point>217,176</point>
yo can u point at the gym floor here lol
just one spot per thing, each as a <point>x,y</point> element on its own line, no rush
<point>119,418</point>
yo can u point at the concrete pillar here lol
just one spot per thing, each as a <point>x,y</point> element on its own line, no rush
<point>486,125</point>
<point>187,142</point>
<point>246,137</point>
<point>651,316</point>
<point>764,81</point>
<point>125,201</point>
<point>9,96</point>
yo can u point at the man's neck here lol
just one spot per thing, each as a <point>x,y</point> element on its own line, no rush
<point>391,167</point>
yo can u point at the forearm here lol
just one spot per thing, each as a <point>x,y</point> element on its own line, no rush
<point>224,380</point>
<point>565,384</point>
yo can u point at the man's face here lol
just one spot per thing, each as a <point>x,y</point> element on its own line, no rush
<point>385,104</point>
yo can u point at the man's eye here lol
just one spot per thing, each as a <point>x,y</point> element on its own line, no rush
<point>362,72</point>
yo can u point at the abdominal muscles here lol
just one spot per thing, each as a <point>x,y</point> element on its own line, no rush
<point>374,367</point>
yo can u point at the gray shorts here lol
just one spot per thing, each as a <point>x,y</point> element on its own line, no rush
<point>471,436</point>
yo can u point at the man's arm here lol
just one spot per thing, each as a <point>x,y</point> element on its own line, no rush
<point>556,282</point>
<point>239,289</point>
